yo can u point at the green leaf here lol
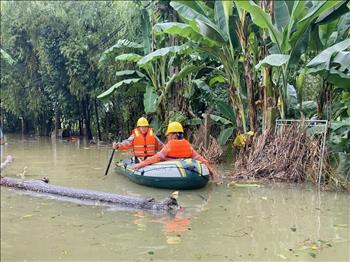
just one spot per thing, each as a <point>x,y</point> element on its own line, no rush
<point>185,71</point>
<point>188,69</point>
<point>225,135</point>
<point>113,50</point>
<point>190,10</point>
<point>129,73</point>
<point>299,48</point>
<point>226,110</point>
<point>202,85</point>
<point>216,79</point>
<point>342,59</point>
<point>146,31</point>
<point>281,14</point>
<point>131,57</point>
<point>210,32</point>
<point>323,60</point>
<point>183,30</point>
<point>124,43</point>
<point>150,100</point>
<point>6,57</point>
<point>343,27</point>
<point>292,97</point>
<point>261,19</point>
<point>223,11</point>
<point>156,125</point>
<point>198,20</point>
<point>300,27</point>
<point>193,122</point>
<point>326,30</point>
<point>112,89</point>
<point>162,52</point>
<point>273,60</point>
<point>333,13</point>
<point>220,119</point>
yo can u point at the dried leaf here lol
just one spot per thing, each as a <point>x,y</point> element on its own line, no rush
<point>282,256</point>
<point>173,240</point>
<point>26,216</point>
<point>341,225</point>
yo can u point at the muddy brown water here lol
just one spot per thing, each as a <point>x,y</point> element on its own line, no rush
<point>217,223</point>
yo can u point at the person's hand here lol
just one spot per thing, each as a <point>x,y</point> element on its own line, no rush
<point>115,145</point>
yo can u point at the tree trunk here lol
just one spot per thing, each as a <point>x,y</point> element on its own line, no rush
<point>88,120</point>
<point>97,122</point>
<point>57,124</point>
<point>81,131</point>
<point>169,204</point>
<point>206,131</point>
<point>86,117</point>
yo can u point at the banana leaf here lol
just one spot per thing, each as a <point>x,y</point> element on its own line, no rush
<point>127,82</point>
<point>150,100</point>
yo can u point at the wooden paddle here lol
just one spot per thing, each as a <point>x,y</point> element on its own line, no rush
<point>111,158</point>
<point>110,161</point>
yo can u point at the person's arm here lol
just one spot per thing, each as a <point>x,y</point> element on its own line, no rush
<point>126,144</point>
<point>197,156</point>
<point>159,144</point>
<point>160,156</point>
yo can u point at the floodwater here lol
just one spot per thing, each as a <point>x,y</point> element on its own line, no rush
<point>217,223</point>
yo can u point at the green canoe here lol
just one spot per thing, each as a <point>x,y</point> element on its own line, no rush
<point>173,174</point>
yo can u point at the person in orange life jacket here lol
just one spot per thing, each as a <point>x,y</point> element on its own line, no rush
<point>176,147</point>
<point>142,141</point>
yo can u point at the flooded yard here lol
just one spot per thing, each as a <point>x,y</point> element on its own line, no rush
<point>217,223</point>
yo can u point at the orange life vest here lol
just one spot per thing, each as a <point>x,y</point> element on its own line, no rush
<point>179,149</point>
<point>144,145</point>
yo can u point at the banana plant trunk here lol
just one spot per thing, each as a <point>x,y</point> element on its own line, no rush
<point>250,92</point>
<point>238,109</point>
<point>269,108</point>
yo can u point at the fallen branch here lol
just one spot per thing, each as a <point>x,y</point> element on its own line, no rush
<point>288,156</point>
<point>8,160</point>
<point>42,186</point>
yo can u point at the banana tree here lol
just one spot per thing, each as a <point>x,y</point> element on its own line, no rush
<point>151,71</point>
<point>213,32</point>
<point>289,34</point>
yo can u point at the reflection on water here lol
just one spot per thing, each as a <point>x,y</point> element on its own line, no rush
<point>279,222</point>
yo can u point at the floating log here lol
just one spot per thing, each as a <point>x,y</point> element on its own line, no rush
<point>42,186</point>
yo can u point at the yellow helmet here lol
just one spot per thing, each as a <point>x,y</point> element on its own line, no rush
<point>142,122</point>
<point>174,127</point>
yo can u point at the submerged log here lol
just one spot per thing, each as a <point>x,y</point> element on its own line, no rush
<point>41,186</point>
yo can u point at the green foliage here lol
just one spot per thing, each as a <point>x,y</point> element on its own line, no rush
<point>64,55</point>
<point>333,64</point>
<point>226,121</point>
<point>151,100</point>
<point>6,57</point>
<point>56,46</point>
